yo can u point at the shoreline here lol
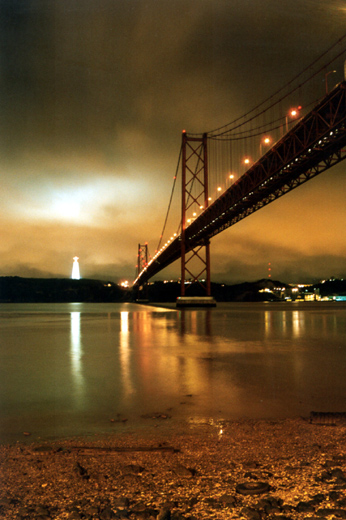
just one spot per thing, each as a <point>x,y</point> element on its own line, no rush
<point>182,475</point>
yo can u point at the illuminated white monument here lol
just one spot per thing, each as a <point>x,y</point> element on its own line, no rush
<point>75,269</point>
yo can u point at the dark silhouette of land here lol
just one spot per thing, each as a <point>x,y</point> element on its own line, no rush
<point>246,292</point>
<point>57,290</point>
<point>14,289</point>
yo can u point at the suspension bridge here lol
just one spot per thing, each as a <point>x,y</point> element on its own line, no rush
<point>229,173</point>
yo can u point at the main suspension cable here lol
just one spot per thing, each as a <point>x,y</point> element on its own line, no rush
<point>170,200</point>
<point>225,128</point>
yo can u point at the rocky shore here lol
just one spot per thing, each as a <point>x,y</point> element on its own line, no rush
<point>252,470</point>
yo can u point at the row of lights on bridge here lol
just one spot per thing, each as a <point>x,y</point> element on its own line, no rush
<point>159,251</point>
<point>267,140</point>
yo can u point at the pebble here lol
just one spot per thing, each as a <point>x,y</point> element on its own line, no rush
<point>74,516</point>
<point>251,514</point>
<point>121,502</point>
<point>164,514</point>
<point>107,514</point>
<point>82,471</point>
<point>182,471</point>
<point>228,500</point>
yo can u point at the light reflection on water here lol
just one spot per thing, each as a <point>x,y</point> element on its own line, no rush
<point>294,320</point>
<point>76,356</point>
<point>125,355</point>
<point>70,368</point>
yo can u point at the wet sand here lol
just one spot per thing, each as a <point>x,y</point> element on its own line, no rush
<point>289,469</point>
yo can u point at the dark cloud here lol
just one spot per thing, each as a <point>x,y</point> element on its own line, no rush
<point>303,271</point>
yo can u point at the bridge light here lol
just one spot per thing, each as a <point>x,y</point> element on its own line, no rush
<point>265,141</point>
<point>293,113</point>
<point>326,78</point>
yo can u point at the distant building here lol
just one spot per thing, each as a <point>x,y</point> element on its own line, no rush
<point>75,269</point>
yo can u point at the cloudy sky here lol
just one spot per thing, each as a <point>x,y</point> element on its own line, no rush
<point>94,96</point>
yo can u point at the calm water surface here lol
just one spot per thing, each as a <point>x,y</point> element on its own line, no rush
<point>70,369</point>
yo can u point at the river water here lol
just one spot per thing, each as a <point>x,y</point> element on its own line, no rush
<point>79,368</point>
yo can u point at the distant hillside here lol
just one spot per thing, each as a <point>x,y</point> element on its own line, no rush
<point>262,290</point>
<point>244,292</point>
<point>331,287</point>
<point>44,290</point>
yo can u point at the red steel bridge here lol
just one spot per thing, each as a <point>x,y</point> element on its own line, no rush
<point>308,144</point>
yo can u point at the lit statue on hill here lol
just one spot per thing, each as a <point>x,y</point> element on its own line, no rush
<point>75,269</point>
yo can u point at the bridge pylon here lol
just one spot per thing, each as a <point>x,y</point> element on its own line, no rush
<point>142,263</point>
<point>195,261</point>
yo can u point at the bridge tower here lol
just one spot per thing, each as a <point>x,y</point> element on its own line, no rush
<point>142,263</point>
<point>195,262</point>
<point>142,257</point>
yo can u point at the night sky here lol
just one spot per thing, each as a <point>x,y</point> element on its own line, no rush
<point>94,96</point>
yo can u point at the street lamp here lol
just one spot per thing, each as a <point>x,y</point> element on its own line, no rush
<point>265,141</point>
<point>292,114</point>
<point>326,78</point>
